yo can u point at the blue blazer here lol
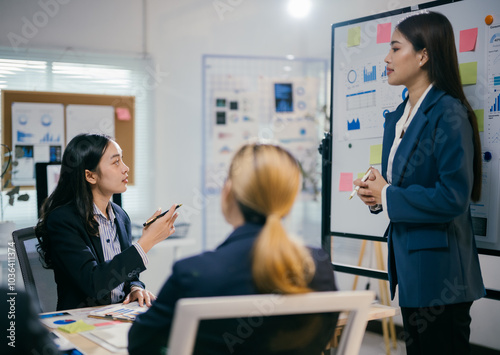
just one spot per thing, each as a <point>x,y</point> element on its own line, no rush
<point>225,271</point>
<point>83,278</point>
<point>432,251</point>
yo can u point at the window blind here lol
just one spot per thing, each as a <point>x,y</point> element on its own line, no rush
<point>76,72</point>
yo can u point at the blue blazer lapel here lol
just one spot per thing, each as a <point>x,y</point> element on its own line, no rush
<point>410,141</point>
<point>407,147</point>
<point>389,132</point>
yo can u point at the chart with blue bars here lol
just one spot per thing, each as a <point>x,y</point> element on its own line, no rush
<point>384,73</point>
<point>496,95</point>
<point>496,105</point>
<point>370,74</point>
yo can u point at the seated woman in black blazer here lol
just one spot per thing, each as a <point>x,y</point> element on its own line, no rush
<point>86,238</point>
<point>257,257</point>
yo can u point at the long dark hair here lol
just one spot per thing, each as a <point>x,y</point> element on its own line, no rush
<point>82,153</point>
<point>433,31</point>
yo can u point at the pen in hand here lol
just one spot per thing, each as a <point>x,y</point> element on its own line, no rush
<point>151,220</point>
<point>363,179</point>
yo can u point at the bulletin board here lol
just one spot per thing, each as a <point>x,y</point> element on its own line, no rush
<point>361,96</point>
<point>122,111</point>
<point>248,98</point>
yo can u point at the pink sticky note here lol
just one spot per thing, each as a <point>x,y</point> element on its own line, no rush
<point>468,40</point>
<point>123,114</point>
<point>346,182</point>
<point>384,32</point>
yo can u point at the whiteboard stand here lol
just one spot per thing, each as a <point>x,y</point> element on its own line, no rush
<point>389,331</point>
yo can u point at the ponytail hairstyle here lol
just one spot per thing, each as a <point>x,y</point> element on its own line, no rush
<point>82,153</point>
<point>433,31</point>
<point>265,181</point>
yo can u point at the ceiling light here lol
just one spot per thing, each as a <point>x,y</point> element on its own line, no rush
<point>299,8</point>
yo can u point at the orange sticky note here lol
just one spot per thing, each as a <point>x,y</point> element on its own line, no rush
<point>384,32</point>
<point>345,182</point>
<point>123,114</point>
<point>468,40</point>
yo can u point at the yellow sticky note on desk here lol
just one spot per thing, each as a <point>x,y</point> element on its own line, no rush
<point>353,36</point>
<point>480,119</point>
<point>376,154</point>
<point>76,327</point>
<point>468,73</point>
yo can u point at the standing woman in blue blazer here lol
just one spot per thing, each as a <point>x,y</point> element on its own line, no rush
<point>86,238</point>
<point>257,257</point>
<point>431,170</point>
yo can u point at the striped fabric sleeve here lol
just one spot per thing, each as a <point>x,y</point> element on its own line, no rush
<point>142,253</point>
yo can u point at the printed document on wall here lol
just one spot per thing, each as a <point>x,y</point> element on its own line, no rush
<point>89,119</point>
<point>37,136</point>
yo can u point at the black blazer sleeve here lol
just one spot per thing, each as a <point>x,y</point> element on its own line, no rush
<point>83,277</point>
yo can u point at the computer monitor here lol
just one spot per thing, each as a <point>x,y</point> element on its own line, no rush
<point>46,177</point>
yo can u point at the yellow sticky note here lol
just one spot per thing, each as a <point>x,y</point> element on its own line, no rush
<point>376,154</point>
<point>353,36</point>
<point>480,119</point>
<point>468,73</point>
<point>360,175</point>
<point>76,327</point>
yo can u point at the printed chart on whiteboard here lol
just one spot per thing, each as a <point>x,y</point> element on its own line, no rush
<point>37,136</point>
<point>368,98</point>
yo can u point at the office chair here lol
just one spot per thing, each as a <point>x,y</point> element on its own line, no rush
<point>38,281</point>
<point>189,312</point>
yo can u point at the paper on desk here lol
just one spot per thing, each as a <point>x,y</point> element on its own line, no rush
<point>55,321</point>
<point>117,335</point>
<point>75,315</point>
<point>126,312</point>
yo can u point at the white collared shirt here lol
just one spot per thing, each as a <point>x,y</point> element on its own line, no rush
<point>110,244</point>
<point>402,125</point>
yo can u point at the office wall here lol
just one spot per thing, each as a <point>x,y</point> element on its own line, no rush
<point>74,25</point>
<point>178,33</point>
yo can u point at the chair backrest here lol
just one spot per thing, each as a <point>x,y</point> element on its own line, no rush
<point>38,281</point>
<point>189,312</point>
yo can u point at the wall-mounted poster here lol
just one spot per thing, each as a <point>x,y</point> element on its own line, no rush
<point>98,119</point>
<point>37,136</point>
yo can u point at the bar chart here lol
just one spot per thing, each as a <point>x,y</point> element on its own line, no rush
<point>496,104</point>
<point>370,75</point>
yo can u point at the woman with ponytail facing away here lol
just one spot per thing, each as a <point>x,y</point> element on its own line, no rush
<point>257,257</point>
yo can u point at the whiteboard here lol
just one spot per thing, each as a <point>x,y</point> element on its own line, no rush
<point>360,96</point>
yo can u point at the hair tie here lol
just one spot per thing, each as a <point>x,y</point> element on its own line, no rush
<point>250,215</point>
<point>275,216</point>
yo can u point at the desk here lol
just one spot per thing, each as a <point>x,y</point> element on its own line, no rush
<point>377,311</point>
